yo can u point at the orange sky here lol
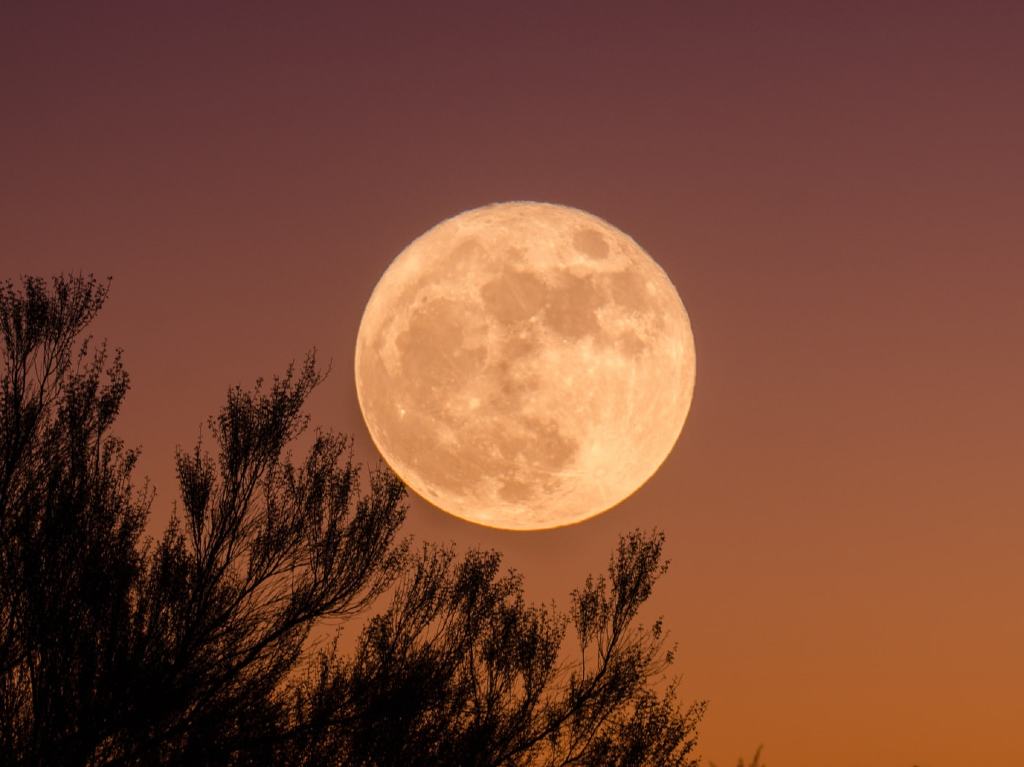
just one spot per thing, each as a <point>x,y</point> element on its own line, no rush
<point>837,193</point>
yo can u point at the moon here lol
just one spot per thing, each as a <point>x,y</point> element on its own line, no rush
<point>524,365</point>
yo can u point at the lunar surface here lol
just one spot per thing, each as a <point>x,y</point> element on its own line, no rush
<point>524,365</point>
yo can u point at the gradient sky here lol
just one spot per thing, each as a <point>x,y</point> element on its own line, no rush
<point>837,191</point>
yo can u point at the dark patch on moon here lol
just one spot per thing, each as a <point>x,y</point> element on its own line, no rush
<point>628,289</point>
<point>513,296</point>
<point>444,464</point>
<point>591,243</point>
<point>514,381</point>
<point>517,347</point>
<point>572,306</point>
<point>545,450</point>
<point>465,248</point>
<point>515,490</point>
<point>630,344</point>
<point>549,447</point>
<point>434,357</point>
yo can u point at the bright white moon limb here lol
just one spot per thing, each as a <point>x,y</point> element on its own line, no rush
<point>524,365</point>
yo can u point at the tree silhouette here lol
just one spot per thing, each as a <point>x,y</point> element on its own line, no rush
<point>193,649</point>
<point>459,670</point>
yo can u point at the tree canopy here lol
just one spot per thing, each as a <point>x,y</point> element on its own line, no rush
<point>194,648</point>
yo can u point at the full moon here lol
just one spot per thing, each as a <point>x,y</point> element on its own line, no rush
<point>524,365</point>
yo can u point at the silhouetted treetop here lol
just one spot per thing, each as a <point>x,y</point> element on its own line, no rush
<point>194,648</point>
<point>460,670</point>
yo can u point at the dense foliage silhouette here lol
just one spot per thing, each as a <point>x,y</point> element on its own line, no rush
<point>195,648</point>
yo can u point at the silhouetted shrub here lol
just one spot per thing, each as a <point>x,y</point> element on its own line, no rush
<point>192,649</point>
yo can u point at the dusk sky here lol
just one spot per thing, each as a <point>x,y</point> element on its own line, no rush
<point>836,191</point>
